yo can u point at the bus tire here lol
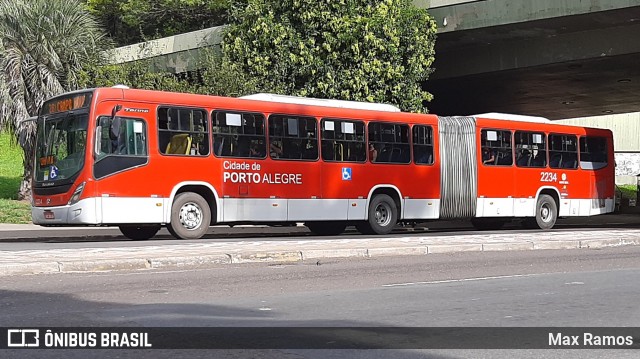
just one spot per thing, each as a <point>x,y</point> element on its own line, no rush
<point>326,228</point>
<point>190,216</point>
<point>546,212</point>
<point>383,214</point>
<point>139,232</point>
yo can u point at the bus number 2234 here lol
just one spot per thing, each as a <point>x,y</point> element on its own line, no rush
<point>548,177</point>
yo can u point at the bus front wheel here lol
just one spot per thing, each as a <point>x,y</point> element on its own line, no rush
<point>190,216</point>
<point>139,232</point>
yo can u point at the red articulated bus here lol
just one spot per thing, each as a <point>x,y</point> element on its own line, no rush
<point>142,159</point>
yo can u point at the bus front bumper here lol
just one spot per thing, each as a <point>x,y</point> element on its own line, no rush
<point>84,212</point>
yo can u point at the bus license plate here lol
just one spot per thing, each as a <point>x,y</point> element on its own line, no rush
<point>49,215</point>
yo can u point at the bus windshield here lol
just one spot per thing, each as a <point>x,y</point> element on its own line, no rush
<point>60,146</point>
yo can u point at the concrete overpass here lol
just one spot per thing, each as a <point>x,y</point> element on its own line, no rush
<point>552,58</point>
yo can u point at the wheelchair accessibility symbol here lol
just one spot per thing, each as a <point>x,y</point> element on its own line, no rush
<point>346,174</point>
<point>53,172</point>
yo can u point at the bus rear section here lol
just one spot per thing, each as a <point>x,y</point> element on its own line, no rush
<point>539,171</point>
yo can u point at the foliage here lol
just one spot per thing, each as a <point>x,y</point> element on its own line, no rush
<point>135,75</point>
<point>10,167</point>
<point>14,211</point>
<point>221,78</point>
<point>628,191</point>
<point>364,50</point>
<point>216,77</point>
<point>132,21</point>
<point>43,45</point>
<point>11,210</point>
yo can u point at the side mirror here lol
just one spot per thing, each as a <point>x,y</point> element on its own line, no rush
<point>114,112</point>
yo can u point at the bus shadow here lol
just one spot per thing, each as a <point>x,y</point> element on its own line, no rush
<point>248,233</point>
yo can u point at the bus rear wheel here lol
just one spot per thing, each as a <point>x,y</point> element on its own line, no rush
<point>546,212</point>
<point>326,228</point>
<point>383,215</point>
<point>139,232</point>
<point>190,216</point>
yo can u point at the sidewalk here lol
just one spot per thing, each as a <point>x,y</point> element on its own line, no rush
<point>300,247</point>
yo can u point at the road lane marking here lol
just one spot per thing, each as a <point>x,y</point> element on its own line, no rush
<point>460,280</point>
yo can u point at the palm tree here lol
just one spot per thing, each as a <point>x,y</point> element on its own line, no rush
<point>43,45</point>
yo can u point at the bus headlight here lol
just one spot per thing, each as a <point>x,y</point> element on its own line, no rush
<point>76,194</point>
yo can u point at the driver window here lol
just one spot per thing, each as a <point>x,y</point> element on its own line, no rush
<point>122,136</point>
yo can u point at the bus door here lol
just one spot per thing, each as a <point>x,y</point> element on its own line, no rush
<point>239,140</point>
<point>531,168</point>
<point>345,184</point>
<point>120,147</point>
<point>495,174</point>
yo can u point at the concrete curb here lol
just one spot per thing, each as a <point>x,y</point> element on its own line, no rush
<point>453,248</point>
<point>103,265</point>
<point>334,253</point>
<point>189,262</point>
<point>507,247</point>
<point>189,259</point>
<point>276,256</point>
<point>397,251</point>
<point>29,268</point>
<point>556,245</point>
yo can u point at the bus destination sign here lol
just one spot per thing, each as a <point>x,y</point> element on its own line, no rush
<point>67,103</point>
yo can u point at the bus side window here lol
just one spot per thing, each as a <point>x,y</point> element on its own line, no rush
<point>423,144</point>
<point>122,136</point>
<point>122,146</point>
<point>593,152</point>
<point>530,149</point>
<point>293,137</point>
<point>393,141</point>
<point>496,148</point>
<point>343,141</point>
<point>183,131</point>
<point>563,151</point>
<point>238,134</point>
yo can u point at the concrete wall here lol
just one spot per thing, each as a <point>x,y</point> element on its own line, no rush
<point>179,53</point>
<point>465,15</point>
<point>627,164</point>
<point>625,127</point>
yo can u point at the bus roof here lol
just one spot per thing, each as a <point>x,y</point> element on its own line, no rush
<point>512,117</point>
<point>322,102</point>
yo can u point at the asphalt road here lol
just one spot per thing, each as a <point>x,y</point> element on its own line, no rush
<point>495,289</point>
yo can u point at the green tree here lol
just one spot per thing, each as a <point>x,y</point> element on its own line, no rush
<point>364,50</point>
<point>133,21</point>
<point>221,78</point>
<point>215,77</point>
<point>135,75</point>
<point>43,45</point>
